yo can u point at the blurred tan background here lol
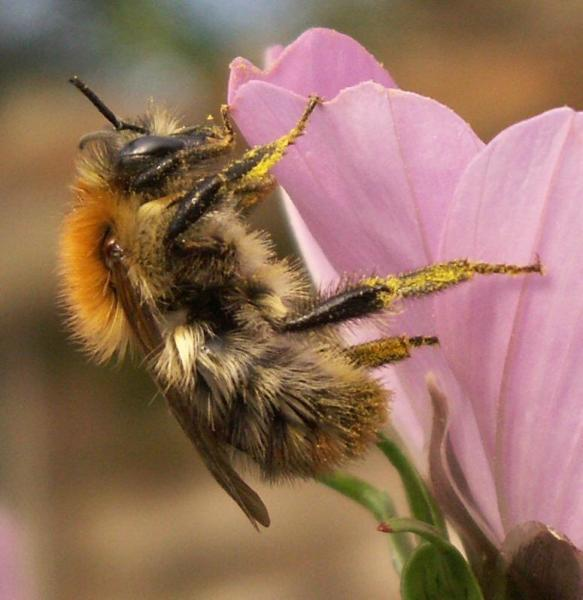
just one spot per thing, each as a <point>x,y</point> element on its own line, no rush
<point>107,497</point>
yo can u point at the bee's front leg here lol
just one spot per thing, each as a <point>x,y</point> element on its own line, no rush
<point>249,194</point>
<point>195,153</point>
<point>250,172</point>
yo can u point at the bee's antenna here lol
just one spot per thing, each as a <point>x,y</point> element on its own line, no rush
<point>102,108</point>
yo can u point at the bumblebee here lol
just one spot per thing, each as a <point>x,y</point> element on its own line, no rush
<point>156,252</point>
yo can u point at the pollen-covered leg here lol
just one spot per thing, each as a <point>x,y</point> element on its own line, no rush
<point>440,276</point>
<point>377,293</point>
<point>250,170</point>
<point>263,158</point>
<point>249,194</point>
<point>218,141</point>
<point>227,123</point>
<point>387,350</point>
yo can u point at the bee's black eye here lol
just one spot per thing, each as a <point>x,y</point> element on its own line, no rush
<point>150,146</point>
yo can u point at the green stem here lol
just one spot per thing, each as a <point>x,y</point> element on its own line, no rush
<point>378,503</point>
<point>422,504</point>
<point>425,530</point>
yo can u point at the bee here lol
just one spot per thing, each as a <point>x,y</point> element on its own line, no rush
<point>157,252</point>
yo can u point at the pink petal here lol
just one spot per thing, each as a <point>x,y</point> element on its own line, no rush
<point>372,179</point>
<point>516,346</point>
<point>272,54</point>
<point>320,61</point>
<point>12,580</point>
<point>316,261</point>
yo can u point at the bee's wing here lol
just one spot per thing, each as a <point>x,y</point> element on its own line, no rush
<point>218,463</point>
<point>220,467</point>
<point>147,331</point>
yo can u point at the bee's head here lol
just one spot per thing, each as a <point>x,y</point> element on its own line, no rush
<point>153,154</point>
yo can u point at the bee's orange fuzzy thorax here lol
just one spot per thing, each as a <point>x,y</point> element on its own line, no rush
<point>95,315</point>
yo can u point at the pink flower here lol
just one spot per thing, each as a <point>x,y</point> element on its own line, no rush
<point>386,181</point>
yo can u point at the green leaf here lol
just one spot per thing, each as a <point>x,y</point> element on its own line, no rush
<point>375,501</point>
<point>421,503</point>
<point>433,574</point>
<point>436,570</point>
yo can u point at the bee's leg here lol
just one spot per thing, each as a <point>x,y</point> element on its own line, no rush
<point>387,350</point>
<point>193,154</point>
<point>251,193</point>
<point>227,123</point>
<point>256,163</point>
<point>250,170</point>
<point>225,134</point>
<point>374,294</point>
<point>218,141</point>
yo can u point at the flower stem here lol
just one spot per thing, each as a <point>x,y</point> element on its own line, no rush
<point>378,503</point>
<point>420,501</point>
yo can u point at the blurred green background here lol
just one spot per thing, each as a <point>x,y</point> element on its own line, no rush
<point>108,497</point>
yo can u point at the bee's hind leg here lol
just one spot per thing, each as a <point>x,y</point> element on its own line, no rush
<point>387,350</point>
